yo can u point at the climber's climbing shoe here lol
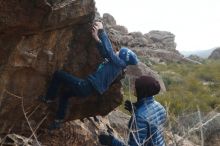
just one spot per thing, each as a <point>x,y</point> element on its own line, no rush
<point>56,124</point>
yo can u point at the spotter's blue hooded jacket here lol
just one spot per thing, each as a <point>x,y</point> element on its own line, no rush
<point>146,125</point>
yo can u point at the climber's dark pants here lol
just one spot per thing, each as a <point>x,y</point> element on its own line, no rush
<point>77,87</point>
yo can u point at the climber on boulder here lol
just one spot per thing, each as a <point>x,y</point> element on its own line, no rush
<point>112,66</point>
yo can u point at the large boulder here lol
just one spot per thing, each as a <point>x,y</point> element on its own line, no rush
<point>36,39</point>
<point>215,54</point>
<point>166,39</point>
<point>109,19</point>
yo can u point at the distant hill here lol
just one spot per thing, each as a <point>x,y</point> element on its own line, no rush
<point>200,53</point>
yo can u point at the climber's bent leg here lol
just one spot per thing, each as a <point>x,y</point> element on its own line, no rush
<point>82,89</point>
<point>61,77</point>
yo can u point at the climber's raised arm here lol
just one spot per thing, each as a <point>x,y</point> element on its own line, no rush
<point>104,45</point>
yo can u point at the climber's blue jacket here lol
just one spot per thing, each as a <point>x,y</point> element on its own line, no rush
<point>111,67</point>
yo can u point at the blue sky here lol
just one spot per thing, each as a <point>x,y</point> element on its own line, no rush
<point>195,23</point>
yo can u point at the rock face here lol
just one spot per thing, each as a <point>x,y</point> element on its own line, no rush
<point>119,122</point>
<point>75,133</point>
<point>36,38</point>
<point>162,40</point>
<point>215,54</point>
<point>78,133</point>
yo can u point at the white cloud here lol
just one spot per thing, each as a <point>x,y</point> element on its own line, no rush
<point>195,23</point>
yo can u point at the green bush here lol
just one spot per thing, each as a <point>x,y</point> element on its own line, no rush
<point>188,86</point>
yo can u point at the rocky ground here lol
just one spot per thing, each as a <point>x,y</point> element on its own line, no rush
<point>84,132</point>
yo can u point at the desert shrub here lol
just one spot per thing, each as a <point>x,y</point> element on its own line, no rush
<point>190,85</point>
